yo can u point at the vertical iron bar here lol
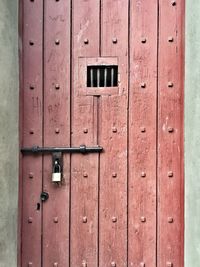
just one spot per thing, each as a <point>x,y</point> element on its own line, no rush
<point>105,77</point>
<point>112,77</point>
<point>91,78</point>
<point>98,77</point>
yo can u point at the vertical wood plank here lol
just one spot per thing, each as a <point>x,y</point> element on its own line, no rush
<point>113,137</point>
<point>170,133</point>
<point>56,130</point>
<point>84,168</point>
<point>142,134</point>
<point>31,120</point>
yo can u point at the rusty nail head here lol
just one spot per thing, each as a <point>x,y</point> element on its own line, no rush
<point>32,87</point>
<point>85,130</point>
<point>114,40</point>
<point>170,174</point>
<point>32,0</point>
<point>170,129</point>
<point>114,174</point>
<point>85,174</point>
<point>84,219</point>
<point>114,219</point>
<point>114,129</point>
<point>57,130</point>
<point>55,219</point>
<point>143,129</point>
<point>57,86</point>
<point>31,175</point>
<point>143,40</point>
<point>169,264</point>
<point>142,264</point>
<point>30,219</point>
<point>55,264</point>
<point>143,219</point>
<point>86,41</point>
<point>170,39</point>
<point>113,264</point>
<point>173,3</point>
<point>31,42</point>
<point>143,85</point>
<point>57,41</point>
<point>170,84</point>
<point>170,220</point>
<point>31,131</point>
<point>143,174</point>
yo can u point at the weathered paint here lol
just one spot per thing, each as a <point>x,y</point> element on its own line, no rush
<point>112,209</point>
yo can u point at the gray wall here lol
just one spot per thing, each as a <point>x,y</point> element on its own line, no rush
<point>8,131</point>
<point>192,135</point>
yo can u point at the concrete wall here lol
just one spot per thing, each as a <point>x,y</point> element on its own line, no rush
<point>192,135</point>
<point>8,131</point>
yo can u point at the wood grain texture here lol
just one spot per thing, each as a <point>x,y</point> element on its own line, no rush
<point>170,134</point>
<point>113,137</point>
<point>142,133</point>
<point>31,104</point>
<point>84,168</point>
<point>56,130</point>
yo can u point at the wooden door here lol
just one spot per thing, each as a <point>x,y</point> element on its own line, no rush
<point>102,73</point>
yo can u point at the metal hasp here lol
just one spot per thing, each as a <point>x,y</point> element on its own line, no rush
<point>81,149</point>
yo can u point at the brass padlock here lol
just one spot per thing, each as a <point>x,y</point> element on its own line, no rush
<point>56,175</point>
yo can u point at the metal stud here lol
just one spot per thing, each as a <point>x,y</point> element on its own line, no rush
<point>85,130</point>
<point>142,264</point>
<point>57,86</point>
<point>84,219</point>
<point>170,220</point>
<point>143,129</point>
<point>143,219</point>
<point>30,175</point>
<point>85,174</point>
<point>31,131</point>
<point>55,264</point>
<point>55,219</point>
<point>114,219</point>
<point>173,3</point>
<point>114,129</point>
<point>57,130</point>
<point>86,41</point>
<point>143,85</point>
<point>114,174</point>
<point>143,40</point>
<point>84,263</point>
<point>114,40</point>
<point>57,41</point>
<point>143,174</point>
<point>170,84</point>
<point>31,42</point>
<point>113,264</point>
<point>170,129</point>
<point>30,219</point>
<point>170,174</point>
<point>170,39</point>
<point>30,264</point>
<point>169,264</point>
<point>32,87</point>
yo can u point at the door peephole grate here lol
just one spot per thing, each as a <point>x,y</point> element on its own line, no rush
<point>102,76</point>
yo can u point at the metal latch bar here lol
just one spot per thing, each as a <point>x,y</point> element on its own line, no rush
<point>81,149</point>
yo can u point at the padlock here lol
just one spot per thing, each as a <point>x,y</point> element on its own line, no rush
<point>56,175</point>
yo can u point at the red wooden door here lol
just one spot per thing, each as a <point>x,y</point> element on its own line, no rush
<point>103,73</point>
